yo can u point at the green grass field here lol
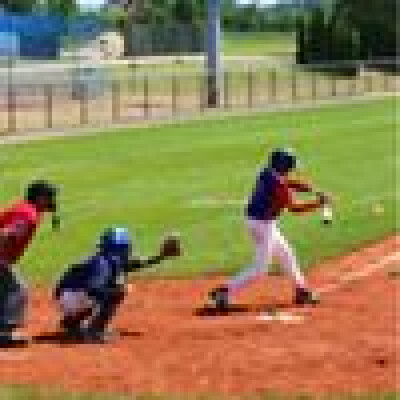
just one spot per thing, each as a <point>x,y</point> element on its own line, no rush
<point>30,393</point>
<point>258,43</point>
<point>190,177</point>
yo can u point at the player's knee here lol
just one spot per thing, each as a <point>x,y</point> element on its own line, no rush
<point>74,303</point>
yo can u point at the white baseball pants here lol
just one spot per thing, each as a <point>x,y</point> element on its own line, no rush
<point>269,243</point>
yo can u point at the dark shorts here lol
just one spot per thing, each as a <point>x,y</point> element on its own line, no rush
<point>13,295</point>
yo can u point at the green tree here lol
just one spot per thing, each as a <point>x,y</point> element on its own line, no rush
<point>155,12</point>
<point>123,18</point>
<point>353,30</point>
<point>65,8</point>
<point>229,11</point>
<point>18,6</point>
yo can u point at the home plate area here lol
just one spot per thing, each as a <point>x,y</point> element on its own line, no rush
<point>168,343</point>
<point>251,314</point>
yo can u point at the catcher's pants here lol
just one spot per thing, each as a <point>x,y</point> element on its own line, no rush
<point>73,302</point>
<point>13,299</point>
<point>97,311</point>
<point>269,243</point>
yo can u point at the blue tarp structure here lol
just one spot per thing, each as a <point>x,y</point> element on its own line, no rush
<point>39,36</point>
<point>9,44</point>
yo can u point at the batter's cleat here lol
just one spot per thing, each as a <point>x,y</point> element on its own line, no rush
<point>219,298</point>
<point>92,335</point>
<point>12,339</point>
<point>73,333</point>
<point>306,296</point>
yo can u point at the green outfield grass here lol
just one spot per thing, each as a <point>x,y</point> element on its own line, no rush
<point>31,393</point>
<point>258,43</point>
<point>189,177</point>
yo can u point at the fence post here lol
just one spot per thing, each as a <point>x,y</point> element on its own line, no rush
<point>202,92</point>
<point>333,86</point>
<point>314,86</point>
<point>116,101</point>
<point>386,86</point>
<point>48,89</point>
<point>370,83</point>
<point>273,85</point>
<point>174,93</point>
<point>227,102</point>
<point>250,87</point>
<point>353,85</point>
<point>146,105</point>
<point>11,100</point>
<point>84,117</point>
<point>294,86</point>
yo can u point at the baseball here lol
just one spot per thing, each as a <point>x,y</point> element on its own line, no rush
<point>378,209</point>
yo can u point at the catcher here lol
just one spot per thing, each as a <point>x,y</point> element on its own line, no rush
<point>90,292</point>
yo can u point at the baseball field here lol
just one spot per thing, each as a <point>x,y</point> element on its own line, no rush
<point>193,178</point>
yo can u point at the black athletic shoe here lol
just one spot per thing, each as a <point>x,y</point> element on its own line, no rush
<point>12,339</point>
<point>91,335</point>
<point>305,296</point>
<point>219,298</point>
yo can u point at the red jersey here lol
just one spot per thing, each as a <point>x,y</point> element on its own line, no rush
<point>21,221</point>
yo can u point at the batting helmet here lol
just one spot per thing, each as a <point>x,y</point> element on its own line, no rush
<point>283,160</point>
<point>116,241</point>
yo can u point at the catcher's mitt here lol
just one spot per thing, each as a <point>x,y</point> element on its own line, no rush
<point>171,246</point>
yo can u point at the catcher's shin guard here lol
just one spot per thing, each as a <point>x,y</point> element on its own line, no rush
<point>71,325</point>
<point>106,309</point>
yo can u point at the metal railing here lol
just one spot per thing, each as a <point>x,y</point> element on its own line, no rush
<point>144,94</point>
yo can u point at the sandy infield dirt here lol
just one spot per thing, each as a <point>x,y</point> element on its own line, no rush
<point>166,345</point>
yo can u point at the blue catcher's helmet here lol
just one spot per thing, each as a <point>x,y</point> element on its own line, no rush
<point>283,160</point>
<point>116,241</point>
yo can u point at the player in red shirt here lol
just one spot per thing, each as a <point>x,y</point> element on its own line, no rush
<point>18,225</point>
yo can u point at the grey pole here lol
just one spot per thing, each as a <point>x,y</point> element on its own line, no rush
<point>213,62</point>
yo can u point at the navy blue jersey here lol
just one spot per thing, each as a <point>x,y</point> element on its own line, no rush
<point>269,197</point>
<point>96,274</point>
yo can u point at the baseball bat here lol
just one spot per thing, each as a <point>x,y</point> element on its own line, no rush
<point>326,209</point>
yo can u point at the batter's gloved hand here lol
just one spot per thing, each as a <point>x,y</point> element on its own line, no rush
<point>171,246</point>
<point>324,198</point>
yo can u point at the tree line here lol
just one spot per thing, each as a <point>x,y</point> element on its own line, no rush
<point>235,17</point>
<point>327,30</point>
<point>58,7</point>
<point>352,30</point>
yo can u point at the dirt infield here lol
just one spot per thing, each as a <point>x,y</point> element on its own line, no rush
<point>346,344</point>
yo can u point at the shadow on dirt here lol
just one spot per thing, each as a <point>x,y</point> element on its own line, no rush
<point>208,311</point>
<point>129,334</point>
<point>60,339</point>
<point>13,344</point>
